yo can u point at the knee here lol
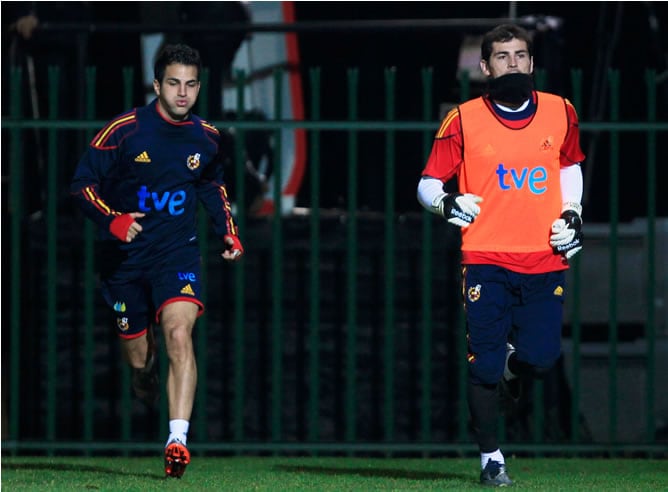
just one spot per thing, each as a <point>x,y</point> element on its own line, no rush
<point>486,370</point>
<point>178,341</point>
<point>176,334</point>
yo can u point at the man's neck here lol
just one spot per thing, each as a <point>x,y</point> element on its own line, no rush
<point>504,106</point>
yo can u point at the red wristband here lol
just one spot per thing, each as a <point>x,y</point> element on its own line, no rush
<point>237,243</point>
<point>120,225</point>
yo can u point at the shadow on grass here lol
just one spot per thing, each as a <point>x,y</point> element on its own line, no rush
<point>373,472</point>
<point>37,466</point>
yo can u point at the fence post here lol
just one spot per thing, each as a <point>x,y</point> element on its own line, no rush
<point>576,328</point>
<point>277,274</point>
<point>650,327</point>
<point>239,272</point>
<point>52,259</point>
<point>314,300</point>
<point>125,380</point>
<point>427,270</point>
<point>613,77</point>
<point>16,214</point>
<point>390,267</point>
<point>89,284</point>
<point>351,265</point>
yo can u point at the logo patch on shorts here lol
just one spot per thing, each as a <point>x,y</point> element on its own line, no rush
<point>474,293</point>
<point>122,324</point>
<point>188,290</point>
<point>119,307</point>
<point>559,291</point>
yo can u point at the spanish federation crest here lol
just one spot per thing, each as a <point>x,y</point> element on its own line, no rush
<point>122,323</point>
<point>473,293</point>
<point>193,161</point>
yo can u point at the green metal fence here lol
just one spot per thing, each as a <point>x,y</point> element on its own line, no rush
<point>333,287</point>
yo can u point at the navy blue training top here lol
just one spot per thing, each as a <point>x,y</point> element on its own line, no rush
<point>142,162</point>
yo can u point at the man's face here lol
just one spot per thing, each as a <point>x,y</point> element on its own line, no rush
<point>509,57</point>
<point>177,93</point>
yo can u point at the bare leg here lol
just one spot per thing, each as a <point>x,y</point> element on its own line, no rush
<point>177,320</point>
<point>136,351</point>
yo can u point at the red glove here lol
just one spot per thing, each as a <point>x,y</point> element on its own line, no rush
<point>120,225</point>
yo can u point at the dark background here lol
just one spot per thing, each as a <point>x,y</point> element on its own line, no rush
<point>593,37</point>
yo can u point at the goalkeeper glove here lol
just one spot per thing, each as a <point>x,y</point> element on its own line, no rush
<point>460,210</point>
<point>566,237</point>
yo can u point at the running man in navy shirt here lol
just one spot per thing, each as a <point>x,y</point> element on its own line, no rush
<point>141,180</point>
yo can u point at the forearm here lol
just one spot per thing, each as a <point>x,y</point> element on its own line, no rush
<point>215,200</point>
<point>458,209</point>
<point>428,191</point>
<point>571,187</point>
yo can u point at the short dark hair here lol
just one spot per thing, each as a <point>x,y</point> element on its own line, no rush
<point>176,53</point>
<point>502,34</point>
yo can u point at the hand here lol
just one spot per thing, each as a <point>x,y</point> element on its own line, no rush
<point>460,210</point>
<point>566,237</point>
<point>233,248</point>
<point>125,228</point>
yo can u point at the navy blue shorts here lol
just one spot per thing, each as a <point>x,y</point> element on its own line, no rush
<point>501,306</point>
<point>137,295</point>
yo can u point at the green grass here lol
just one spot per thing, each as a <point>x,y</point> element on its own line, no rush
<point>327,474</point>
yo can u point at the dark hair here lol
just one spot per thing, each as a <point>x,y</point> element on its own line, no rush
<point>502,34</point>
<point>176,53</point>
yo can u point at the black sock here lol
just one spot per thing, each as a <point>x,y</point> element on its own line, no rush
<point>484,408</point>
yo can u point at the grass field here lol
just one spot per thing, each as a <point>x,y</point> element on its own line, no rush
<point>327,474</point>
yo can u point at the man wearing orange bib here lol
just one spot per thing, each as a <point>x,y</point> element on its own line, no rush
<point>516,155</point>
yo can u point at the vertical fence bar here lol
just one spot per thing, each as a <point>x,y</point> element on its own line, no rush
<point>52,260</point>
<point>239,273</point>
<point>89,284</point>
<point>351,265</point>
<point>126,392</point>
<point>314,277</point>
<point>15,211</point>
<point>575,292</point>
<point>540,77</point>
<point>613,76</point>
<point>277,273</point>
<point>461,347</point>
<point>390,268</point>
<point>202,326</point>
<point>650,326</point>
<point>427,272</point>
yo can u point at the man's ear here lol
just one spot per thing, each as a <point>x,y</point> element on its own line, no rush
<point>484,69</point>
<point>156,87</point>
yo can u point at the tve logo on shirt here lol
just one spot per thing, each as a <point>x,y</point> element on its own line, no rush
<point>171,201</point>
<point>534,178</point>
